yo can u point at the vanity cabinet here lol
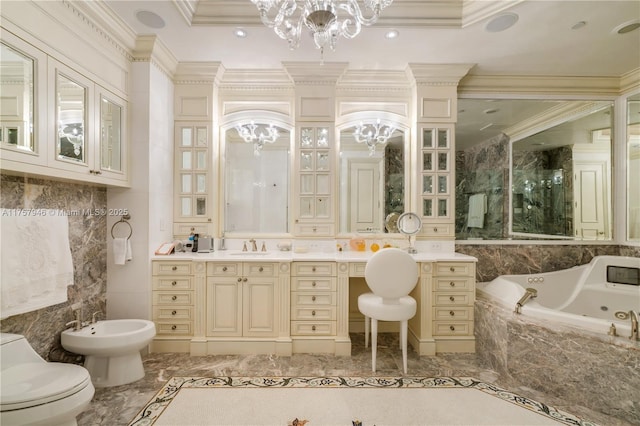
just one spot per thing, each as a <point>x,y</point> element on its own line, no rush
<point>314,182</point>
<point>172,304</point>
<point>453,299</point>
<point>436,180</point>
<point>241,299</point>
<point>313,299</point>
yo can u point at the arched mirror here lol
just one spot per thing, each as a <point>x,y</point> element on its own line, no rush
<point>373,164</point>
<point>256,177</point>
<point>633,168</point>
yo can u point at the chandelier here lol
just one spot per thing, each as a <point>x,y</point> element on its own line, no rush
<point>268,134</point>
<point>373,134</point>
<point>327,20</point>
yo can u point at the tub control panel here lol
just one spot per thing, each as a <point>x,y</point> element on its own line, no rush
<point>623,275</point>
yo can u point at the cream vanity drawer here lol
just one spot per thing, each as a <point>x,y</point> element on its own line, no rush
<point>222,269</point>
<point>450,328</point>
<point>453,299</point>
<point>326,269</point>
<point>357,269</point>
<point>259,269</point>
<point>172,283</point>
<point>162,312</point>
<point>310,230</point>
<point>171,268</point>
<point>173,297</point>
<point>458,269</point>
<point>313,313</point>
<point>457,313</point>
<point>453,284</point>
<point>313,328</point>
<point>313,284</point>
<point>178,328</point>
<point>315,299</point>
<point>437,230</point>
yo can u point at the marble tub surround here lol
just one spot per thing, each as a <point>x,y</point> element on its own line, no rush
<point>578,367</point>
<point>118,405</point>
<point>87,239</point>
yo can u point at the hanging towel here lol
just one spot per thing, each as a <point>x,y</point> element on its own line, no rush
<point>122,251</point>
<point>36,263</point>
<point>477,210</point>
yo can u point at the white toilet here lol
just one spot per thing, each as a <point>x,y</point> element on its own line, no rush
<point>37,392</point>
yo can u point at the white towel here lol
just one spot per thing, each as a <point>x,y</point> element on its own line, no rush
<point>477,210</point>
<point>36,265</point>
<point>121,251</point>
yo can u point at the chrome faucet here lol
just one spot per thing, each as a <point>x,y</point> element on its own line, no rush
<point>635,334</point>
<point>254,247</point>
<point>528,294</point>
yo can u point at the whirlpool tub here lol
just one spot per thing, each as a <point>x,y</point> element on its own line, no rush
<point>597,297</point>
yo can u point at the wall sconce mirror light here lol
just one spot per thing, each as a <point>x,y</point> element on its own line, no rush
<point>373,134</point>
<point>257,134</point>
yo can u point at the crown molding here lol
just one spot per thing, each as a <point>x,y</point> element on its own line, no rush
<point>438,74</point>
<point>187,9</point>
<point>198,72</point>
<point>150,48</point>
<point>630,81</point>
<point>359,79</point>
<point>474,11</point>
<point>312,73</point>
<point>540,85</point>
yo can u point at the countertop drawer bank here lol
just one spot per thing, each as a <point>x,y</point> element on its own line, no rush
<point>285,303</point>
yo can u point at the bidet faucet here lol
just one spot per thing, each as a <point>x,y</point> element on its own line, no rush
<point>77,322</point>
<point>94,316</point>
<point>635,334</point>
<point>528,294</point>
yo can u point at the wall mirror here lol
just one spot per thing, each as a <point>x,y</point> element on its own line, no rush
<point>110,134</point>
<point>633,168</point>
<point>373,181</point>
<point>17,107</point>
<point>561,176</point>
<point>256,178</point>
<point>549,140</point>
<point>71,104</point>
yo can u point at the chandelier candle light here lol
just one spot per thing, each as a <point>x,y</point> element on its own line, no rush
<point>248,133</point>
<point>327,20</point>
<point>373,134</point>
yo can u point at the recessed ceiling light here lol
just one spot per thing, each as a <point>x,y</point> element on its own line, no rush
<point>627,27</point>
<point>150,19</point>
<point>240,33</point>
<point>392,34</point>
<point>579,25</point>
<point>501,22</point>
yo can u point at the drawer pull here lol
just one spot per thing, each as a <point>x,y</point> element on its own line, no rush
<point>313,284</point>
<point>452,284</point>
<point>224,269</point>
<point>313,328</point>
<point>452,328</point>
<point>261,269</point>
<point>174,282</point>
<point>313,298</point>
<point>174,327</point>
<point>244,280</point>
<point>313,269</point>
<point>239,279</point>
<point>452,269</point>
<point>313,313</point>
<point>453,299</point>
<point>435,229</point>
<point>174,268</point>
<point>452,313</point>
<point>174,312</point>
<point>174,297</point>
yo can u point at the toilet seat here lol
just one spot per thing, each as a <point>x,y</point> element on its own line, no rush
<point>31,384</point>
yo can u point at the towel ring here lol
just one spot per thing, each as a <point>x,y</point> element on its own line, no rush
<point>122,220</point>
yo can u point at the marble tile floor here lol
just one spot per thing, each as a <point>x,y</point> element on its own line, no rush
<point>118,405</point>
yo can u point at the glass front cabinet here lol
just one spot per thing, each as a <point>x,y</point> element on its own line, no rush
<point>436,178</point>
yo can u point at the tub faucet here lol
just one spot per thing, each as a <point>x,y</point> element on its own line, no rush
<point>635,334</point>
<point>528,294</point>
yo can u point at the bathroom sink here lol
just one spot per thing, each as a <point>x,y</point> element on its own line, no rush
<point>250,253</point>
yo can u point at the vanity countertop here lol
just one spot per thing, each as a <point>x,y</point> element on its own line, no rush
<point>288,256</point>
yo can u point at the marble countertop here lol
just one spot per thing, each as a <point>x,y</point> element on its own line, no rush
<point>289,256</point>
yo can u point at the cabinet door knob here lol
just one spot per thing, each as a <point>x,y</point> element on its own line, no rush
<point>313,284</point>
<point>174,297</point>
<point>452,313</point>
<point>313,313</point>
<point>174,312</point>
<point>174,282</point>
<point>453,299</point>
<point>452,269</point>
<point>173,327</point>
<point>313,328</point>
<point>239,279</point>
<point>244,279</point>
<point>313,298</point>
<point>224,269</point>
<point>435,229</point>
<point>452,284</point>
<point>452,328</point>
<point>261,269</point>
<point>174,268</point>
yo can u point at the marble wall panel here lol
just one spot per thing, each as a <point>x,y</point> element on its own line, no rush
<point>88,241</point>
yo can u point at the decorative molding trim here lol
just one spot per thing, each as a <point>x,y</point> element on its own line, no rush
<point>630,81</point>
<point>350,107</point>
<point>476,11</point>
<point>149,48</point>
<point>438,74</point>
<point>542,85</point>
<point>198,72</point>
<point>309,73</point>
<point>387,79</point>
<point>280,107</point>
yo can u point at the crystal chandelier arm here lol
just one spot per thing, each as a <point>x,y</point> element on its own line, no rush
<point>353,9</point>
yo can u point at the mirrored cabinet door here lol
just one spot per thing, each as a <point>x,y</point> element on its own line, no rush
<point>71,118</point>
<point>112,131</point>
<point>192,142</point>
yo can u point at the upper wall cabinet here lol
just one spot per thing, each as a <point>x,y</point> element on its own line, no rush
<point>56,122</point>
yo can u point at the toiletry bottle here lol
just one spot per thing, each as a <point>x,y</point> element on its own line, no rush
<point>190,240</point>
<point>195,243</point>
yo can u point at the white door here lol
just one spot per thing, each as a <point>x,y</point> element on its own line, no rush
<point>590,221</point>
<point>365,195</point>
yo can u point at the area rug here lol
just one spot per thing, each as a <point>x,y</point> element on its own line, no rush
<point>349,401</point>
